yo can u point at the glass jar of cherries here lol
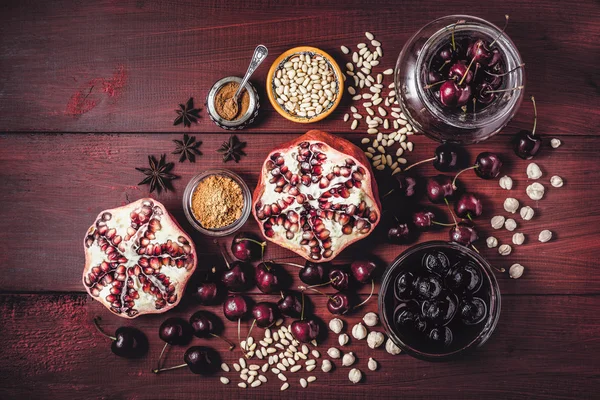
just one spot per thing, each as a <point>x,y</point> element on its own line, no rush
<point>459,79</point>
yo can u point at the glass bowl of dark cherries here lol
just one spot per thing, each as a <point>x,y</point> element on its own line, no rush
<point>459,79</point>
<point>439,300</point>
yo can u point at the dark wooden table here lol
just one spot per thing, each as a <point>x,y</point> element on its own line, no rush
<point>62,160</point>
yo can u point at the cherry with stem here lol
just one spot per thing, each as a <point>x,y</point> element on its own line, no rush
<point>127,342</point>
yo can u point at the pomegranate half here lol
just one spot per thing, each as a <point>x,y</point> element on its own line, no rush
<point>316,195</point>
<point>137,259</point>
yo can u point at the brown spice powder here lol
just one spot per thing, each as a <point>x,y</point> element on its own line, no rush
<point>226,109</point>
<point>217,202</point>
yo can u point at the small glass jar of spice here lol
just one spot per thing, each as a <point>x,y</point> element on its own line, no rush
<point>219,109</point>
<point>217,202</point>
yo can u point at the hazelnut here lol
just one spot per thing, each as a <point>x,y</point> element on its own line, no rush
<point>359,331</point>
<point>348,359</point>
<point>511,205</point>
<point>371,319</point>
<point>326,366</point>
<point>515,271</point>
<point>355,375</point>
<point>556,181</point>
<point>506,182</point>
<point>545,235</point>
<point>504,250</point>
<point>497,222</point>
<point>555,143</point>
<point>527,213</point>
<point>534,171</point>
<point>535,191</point>
<point>518,238</point>
<point>336,325</point>
<point>333,352</point>
<point>391,347</point>
<point>372,364</point>
<point>343,339</point>
<point>510,224</point>
<point>375,339</point>
<point>491,242</point>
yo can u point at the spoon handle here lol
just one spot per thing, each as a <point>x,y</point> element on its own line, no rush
<point>260,53</point>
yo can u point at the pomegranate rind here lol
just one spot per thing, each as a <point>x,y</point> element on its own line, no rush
<point>340,148</point>
<point>176,247</point>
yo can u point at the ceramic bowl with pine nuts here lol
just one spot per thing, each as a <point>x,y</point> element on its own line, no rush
<point>305,84</point>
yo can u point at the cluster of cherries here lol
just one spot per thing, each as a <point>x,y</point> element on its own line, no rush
<point>442,189</point>
<point>468,72</point>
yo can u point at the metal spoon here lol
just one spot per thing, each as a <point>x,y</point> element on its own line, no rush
<point>260,53</point>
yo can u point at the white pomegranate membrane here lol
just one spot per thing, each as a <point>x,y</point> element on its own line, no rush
<point>314,199</point>
<point>138,259</point>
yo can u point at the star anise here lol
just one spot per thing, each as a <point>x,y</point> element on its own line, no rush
<point>187,113</point>
<point>188,148</point>
<point>158,175</point>
<point>232,149</point>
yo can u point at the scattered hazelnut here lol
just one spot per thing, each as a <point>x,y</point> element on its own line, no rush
<point>535,191</point>
<point>355,375</point>
<point>556,181</point>
<point>497,222</point>
<point>326,366</point>
<point>359,331</point>
<point>348,359</point>
<point>391,347</point>
<point>527,213</point>
<point>333,352</point>
<point>511,205</point>
<point>371,319</point>
<point>372,364</point>
<point>336,325</point>
<point>534,171</point>
<point>504,250</point>
<point>515,271</point>
<point>518,238</point>
<point>555,143</point>
<point>545,235</point>
<point>506,182</point>
<point>343,339</point>
<point>510,224</point>
<point>491,242</point>
<point>375,339</point>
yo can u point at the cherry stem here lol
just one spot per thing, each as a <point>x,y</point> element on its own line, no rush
<point>261,244</point>
<point>433,84</point>
<point>502,32</point>
<point>161,354</point>
<point>443,65</point>
<point>469,216</point>
<point>231,344</point>
<point>453,29</point>
<point>368,298</point>
<point>504,90</point>
<point>534,116</point>
<point>291,264</point>
<point>441,223</point>
<point>387,194</point>
<point>247,336</point>
<point>225,258</point>
<point>100,329</point>
<point>156,371</point>
<point>323,284</point>
<point>460,172</point>
<point>451,213</point>
<point>469,67</point>
<point>303,288</point>
<point>420,162</point>
<point>302,312</point>
<point>239,328</point>
<point>507,72</point>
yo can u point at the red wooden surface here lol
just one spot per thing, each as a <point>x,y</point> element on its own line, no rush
<point>149,57</point>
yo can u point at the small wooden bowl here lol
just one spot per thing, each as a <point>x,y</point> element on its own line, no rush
<point>271,86</point>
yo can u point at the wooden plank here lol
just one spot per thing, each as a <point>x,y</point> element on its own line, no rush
<point>544,347</point>
<point>48,54</point>
<point>54,186</point>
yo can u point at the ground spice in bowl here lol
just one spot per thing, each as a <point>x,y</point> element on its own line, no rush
<point>217,201</point>
<point>225,108</point>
